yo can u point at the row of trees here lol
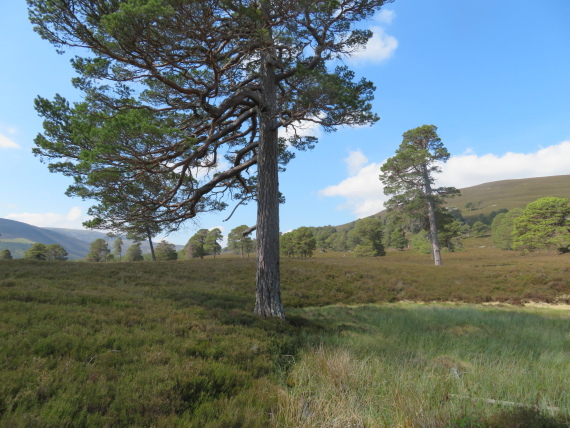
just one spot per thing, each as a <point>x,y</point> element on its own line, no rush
<point>100,252</point>
<point>46,252</point>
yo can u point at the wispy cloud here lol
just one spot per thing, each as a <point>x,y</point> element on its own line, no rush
<point>363,193</point>
<point>355,161</point>
<point>7,143</point>
<point>385,16</point>
<point>381,45</point>
<point>73,219</point>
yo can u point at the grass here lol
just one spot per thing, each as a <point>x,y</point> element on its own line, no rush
<point>175,343</point>
<point>409,365</point>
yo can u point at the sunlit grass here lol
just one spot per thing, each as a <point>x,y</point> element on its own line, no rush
<point>417,366</point>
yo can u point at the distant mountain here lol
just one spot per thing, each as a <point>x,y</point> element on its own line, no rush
<point>509,194</point>
<point>24,233</point>
<point>18,237</point>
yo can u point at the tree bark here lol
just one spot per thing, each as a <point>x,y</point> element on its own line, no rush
<point>268,293</point>
<point>151,246</point>
<point>436,252</point>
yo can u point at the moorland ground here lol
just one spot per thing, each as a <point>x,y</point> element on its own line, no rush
<point>372,342</point>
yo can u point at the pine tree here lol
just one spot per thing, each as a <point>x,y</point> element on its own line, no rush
<point>172,87</point>
<point>408,176</point>
<point>211,245</point>
<point>118,248</point>
<point>56,252</point>
<point>36,252</point>
<point>166,251</point>
<point>134,253</point>
<point>98,251</point>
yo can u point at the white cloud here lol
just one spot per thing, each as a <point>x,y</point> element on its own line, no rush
<point>363,193</point>
<point>7,143</point>
<point>469,169</point>
<point>71,220</point>
<point>385,16</point>
<point>354,161</point>
<point>380,47</point>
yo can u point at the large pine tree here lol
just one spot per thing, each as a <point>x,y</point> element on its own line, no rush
<point>172,88</point>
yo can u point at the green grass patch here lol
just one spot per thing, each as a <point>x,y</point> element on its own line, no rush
<point>413,365</point>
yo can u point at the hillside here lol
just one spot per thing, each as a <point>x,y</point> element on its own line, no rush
<point>17,232</point>
<point>507,194</point>
<point>511,194</point>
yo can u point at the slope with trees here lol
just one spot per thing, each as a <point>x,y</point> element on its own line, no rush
<point>171,88</point>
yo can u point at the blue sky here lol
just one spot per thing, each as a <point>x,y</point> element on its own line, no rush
<point>492,75</point>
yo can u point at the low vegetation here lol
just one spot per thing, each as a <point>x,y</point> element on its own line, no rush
<point>176,343</point>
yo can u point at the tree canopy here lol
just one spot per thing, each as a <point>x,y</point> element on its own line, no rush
<point>366,238</point>
<point>183,101</point>
<point>545,223</point>
<point>5,254</point>
<point>37,251</point>
<point>134,253</point>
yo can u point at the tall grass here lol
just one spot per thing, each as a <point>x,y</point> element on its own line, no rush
<point>429,366</point>
<point>176,344</point>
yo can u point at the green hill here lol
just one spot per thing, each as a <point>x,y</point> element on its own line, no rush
<point>15,232</point>
<point>510,194</point>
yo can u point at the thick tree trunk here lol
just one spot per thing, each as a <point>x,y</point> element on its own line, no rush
<point>268,293</point>
<point>436,253</point>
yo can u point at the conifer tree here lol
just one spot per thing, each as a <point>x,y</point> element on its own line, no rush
<point>134,253</point>
<point>98,251</point>
<point>166,251</point>
<point>172,87</point>
<point>409,177</point>
<point>37,251</point>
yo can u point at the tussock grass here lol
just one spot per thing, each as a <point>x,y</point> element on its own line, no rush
<point>176,344</point>
<point>406,365</point>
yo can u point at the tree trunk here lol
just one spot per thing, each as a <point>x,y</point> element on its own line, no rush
<point>268,293</point>
<point>436,253</point>
<point>151,246</point>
